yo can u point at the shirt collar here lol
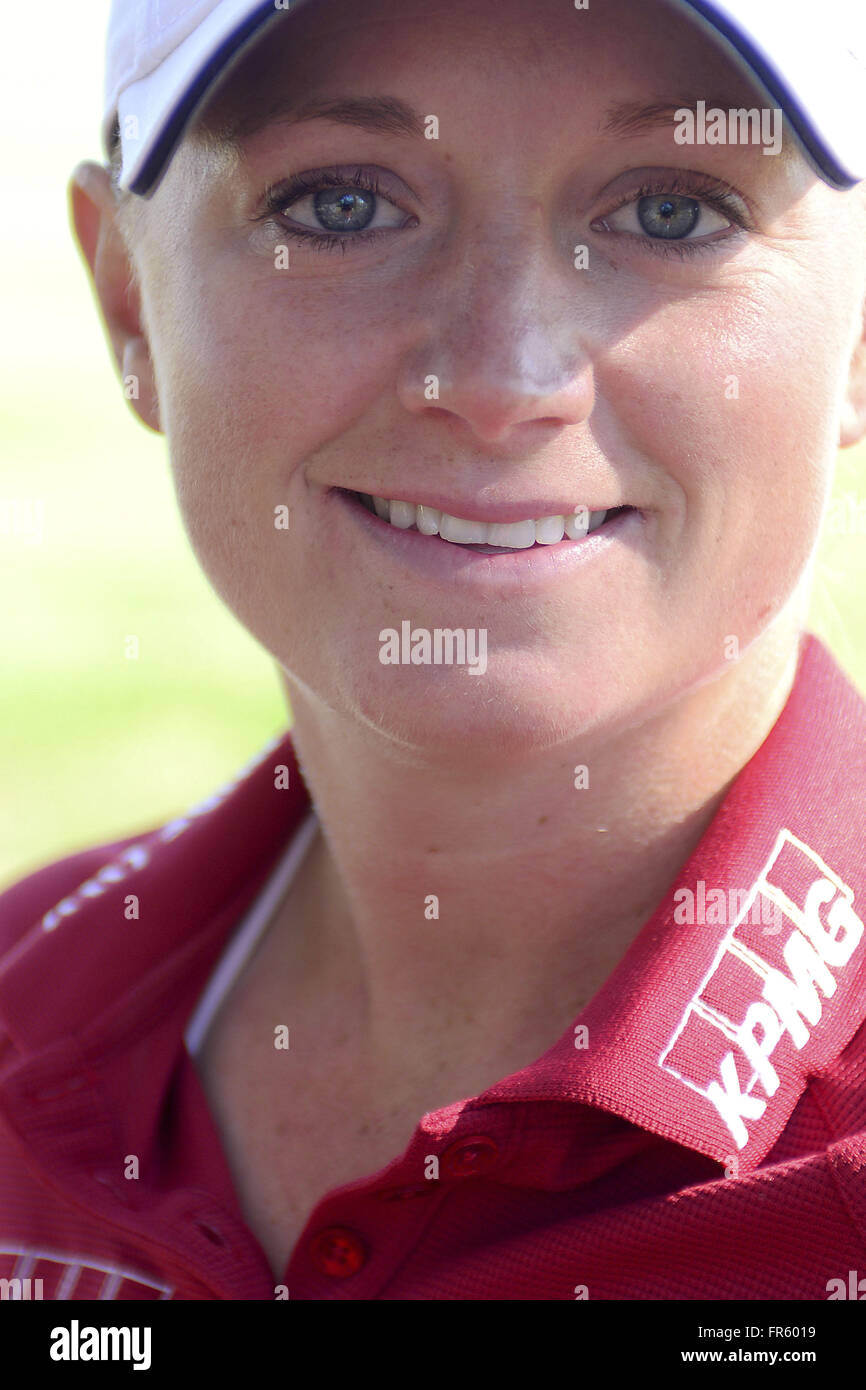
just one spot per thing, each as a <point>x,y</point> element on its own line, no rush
<point>751,975</point>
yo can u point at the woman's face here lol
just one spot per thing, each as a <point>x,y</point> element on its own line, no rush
<point>697,381</point>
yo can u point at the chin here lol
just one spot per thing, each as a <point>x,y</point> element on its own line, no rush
<point>445,712</point>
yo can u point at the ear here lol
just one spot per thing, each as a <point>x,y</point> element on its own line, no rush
<point>93,208</point>
<point>852,427</point>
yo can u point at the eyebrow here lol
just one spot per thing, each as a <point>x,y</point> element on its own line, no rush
<point>639,118</point>
<point>383,115</point>
<point>389,115</point>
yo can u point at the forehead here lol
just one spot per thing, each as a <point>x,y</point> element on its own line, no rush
<point>643,52</point>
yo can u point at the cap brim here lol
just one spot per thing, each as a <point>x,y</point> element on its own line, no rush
<point>816,76</point>
<point>812,67</point>
<point>153,113</point>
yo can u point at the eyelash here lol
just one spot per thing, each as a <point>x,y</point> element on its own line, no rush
<point>279,196</point>
<point>709,191</point>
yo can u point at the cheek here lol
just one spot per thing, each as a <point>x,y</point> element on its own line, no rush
<point>264,394</point>
<point>732,396</point>
<point>253,384</point>
<point>262,373</point>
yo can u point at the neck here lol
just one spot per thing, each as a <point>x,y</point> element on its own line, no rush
<point>491,901</point>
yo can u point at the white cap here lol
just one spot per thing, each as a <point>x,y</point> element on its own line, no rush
<point>163,58</point>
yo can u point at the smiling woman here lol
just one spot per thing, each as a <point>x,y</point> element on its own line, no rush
<point>430,1023</point>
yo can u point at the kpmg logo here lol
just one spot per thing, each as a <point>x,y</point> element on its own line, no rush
<point>760,990</point>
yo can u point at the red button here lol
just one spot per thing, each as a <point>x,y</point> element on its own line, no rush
<point>339,1252</point>
<point>469,1157</point>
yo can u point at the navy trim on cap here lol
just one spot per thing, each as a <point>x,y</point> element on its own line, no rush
<point>818,151</point>
<point>146,179</point>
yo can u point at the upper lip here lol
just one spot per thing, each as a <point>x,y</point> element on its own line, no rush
<point>493,513</point>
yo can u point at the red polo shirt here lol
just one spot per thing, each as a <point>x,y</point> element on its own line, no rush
<point>700,1132</point>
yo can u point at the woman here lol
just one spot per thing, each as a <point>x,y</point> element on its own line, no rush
<point>543,983</point>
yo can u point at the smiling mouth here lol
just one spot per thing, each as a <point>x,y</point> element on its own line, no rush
<point>489,538</point>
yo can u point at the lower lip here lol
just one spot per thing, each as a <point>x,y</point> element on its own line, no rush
<point>518,570</point>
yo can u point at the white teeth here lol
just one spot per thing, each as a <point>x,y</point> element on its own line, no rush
<point>515,535</point>
<point>462,532</point>
<point>549,530</point>
<point>580,522</point>
<point>518,535</point>
<point>402,515</point>
<point>427,520</point>
<point>577,524</point>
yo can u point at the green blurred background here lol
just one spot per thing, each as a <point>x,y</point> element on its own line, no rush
<point>94,746</point>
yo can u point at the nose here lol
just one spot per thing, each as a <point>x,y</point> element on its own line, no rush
<point>500,344</point>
